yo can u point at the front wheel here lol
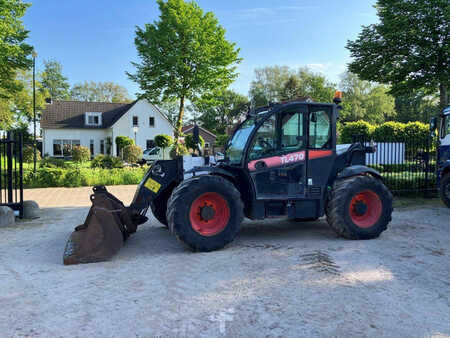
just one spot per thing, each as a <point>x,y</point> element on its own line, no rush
<point>360,207</point>
<point>444,189</point>
<point>205,212</point>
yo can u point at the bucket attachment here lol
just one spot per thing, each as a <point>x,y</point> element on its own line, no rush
<point>102,235</point>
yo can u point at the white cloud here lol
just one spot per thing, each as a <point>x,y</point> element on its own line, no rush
<point>269,13</point>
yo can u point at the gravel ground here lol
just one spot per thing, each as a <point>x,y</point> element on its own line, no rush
<point>277,278</point>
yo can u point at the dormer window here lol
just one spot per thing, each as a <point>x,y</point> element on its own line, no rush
<point>93,119</point>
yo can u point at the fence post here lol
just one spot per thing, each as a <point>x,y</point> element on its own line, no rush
<point>9,166</point>
<point>20,141</point>
<point>427,167</point>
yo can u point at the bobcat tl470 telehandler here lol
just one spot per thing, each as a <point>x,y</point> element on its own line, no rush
<point>281,161</point>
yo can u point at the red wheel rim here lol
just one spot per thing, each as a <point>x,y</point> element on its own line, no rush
<point>365,209</point>
<point>209,214</point>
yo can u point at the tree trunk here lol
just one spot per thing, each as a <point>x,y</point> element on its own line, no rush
<point>443,93</point>
<point>179,124</point>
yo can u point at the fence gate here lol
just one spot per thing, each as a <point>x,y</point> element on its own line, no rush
<point>11,172</point>
<point>407,165</point>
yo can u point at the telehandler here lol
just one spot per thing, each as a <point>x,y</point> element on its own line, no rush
<point>280,161</point>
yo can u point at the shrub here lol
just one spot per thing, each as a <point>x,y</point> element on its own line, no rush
<point>418,131</point>
<point>50,162</point>
<point>389,132</point>
<point>123,141</point>
<point>178,150</point>
<point>28,154</point>
<point>189,141</point>
<point>358,128</point>
<point>163,140</point>
<point>132,153</point>
<point>106,162</point>
<point>81,154</point>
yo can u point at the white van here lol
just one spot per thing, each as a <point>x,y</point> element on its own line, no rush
<point>155,154</point>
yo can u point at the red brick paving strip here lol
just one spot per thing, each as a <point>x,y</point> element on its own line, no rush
<point>75,197</point>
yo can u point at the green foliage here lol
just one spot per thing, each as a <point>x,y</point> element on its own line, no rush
<point>183,55</point>
<point>28,154</point>
<point>123,141</point>
<point>76,177</point>
<point>99,92</point>
<point>396,51</point>
<point>279,83</point>
<point>357,128</point>
<point>106,162</point>
<point>189,141</point>
<point>416,106</point>
<point>132,154</point>
<point>53,81</point>
<point>389,132</point>
<point>364,100</point>
<point>221,140</point>
<point>81,154</point>
<point>163,140</point>
<point>14,52</point>
<point>178,150</point>
<point>50,162</point>
<point>220,110</point>
<point>417,131</point>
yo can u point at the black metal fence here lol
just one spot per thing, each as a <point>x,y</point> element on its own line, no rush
<point>408,166</point>
<point>11,172</point>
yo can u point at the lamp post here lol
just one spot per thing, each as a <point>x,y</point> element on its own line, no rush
<point>135,129</point>
<point>34,55</point>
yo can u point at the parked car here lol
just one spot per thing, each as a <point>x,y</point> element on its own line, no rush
<point>155,154</point>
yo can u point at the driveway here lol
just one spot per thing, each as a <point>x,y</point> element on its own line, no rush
<point>278,278</point>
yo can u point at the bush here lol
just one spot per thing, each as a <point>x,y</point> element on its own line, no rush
<point>132,154</point>
<point>418,131</point>
<point>123,141</point>
<point>50,162</point>
<point>221,140</point>
<point>81,154</point>
<point>358,128</point>
<point>106,162</point>
<point>389,132</point>
<point>163,140</point>
<point>178,150</point>
<point>189,141</point>
<point>28,154</point>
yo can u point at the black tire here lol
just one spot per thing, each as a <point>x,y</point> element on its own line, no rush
<point>159,208</point>
<point>444,189</point>
<point>342,220</point>
<point>182,200</point>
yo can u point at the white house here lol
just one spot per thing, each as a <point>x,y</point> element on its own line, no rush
<point>97,124</point>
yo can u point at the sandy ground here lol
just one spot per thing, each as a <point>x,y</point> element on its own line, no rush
<point>277,278</point>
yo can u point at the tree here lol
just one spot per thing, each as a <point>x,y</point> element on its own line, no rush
<point>416,106</point>
<point>364,100</point>
<point>170,109</point>
<point>99,92</point>
<point>14,52</point>
<point>183,55</point>
<point>163,141</point>
<point>189,141</point>
<point>407,49</point>
<point>220,110</point>
<point>280,83</point>
<point>54,82</point>
<point>122,142</point>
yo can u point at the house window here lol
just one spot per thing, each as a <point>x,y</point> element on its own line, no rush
<point>151,121</point>
<point>93,119</point>
<point>150,144</point>
<point>91,147</point>
<point>206,145</point>
<point>64,147</point>
<point>135,121</point>
<point>102,146</point>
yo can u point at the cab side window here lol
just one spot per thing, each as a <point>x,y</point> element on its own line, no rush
<point>291,131</point>
<point>264,141</point>
<point>320,128</point>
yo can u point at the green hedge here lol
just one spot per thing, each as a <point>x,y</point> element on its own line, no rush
<point>59,177</point>
<point>416,132</point>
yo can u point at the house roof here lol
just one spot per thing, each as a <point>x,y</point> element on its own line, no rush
<point>70,114</point>
<point>189,127</point>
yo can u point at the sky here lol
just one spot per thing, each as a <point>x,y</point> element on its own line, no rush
<point>94,39</point>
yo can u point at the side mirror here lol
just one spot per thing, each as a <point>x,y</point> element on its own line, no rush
<point>313,117</point>
<point>433,124</point>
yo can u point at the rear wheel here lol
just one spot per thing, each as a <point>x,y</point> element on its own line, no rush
<point>360,207</point>
<point>444,189</point>
<point>205,212</point>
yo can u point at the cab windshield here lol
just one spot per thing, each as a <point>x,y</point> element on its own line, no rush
<point>236,145</point>
<point>445,129</point>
